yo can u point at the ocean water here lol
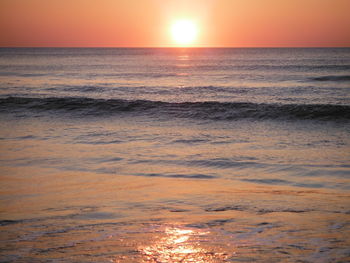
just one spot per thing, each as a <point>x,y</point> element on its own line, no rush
<point>174,155</point>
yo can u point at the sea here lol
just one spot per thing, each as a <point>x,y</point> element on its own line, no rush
<point>175,155</point>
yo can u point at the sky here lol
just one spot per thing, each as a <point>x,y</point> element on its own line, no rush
<point>147,23</point>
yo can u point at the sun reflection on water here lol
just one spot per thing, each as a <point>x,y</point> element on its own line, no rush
<point>183,57</point>
<point>179,245</point>
<point>182,65</point>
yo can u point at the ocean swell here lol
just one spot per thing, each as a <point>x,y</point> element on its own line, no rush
<point>332,78</point>
<point>210,110</point>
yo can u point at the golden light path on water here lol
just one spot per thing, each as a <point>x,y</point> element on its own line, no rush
<point>179,245</point>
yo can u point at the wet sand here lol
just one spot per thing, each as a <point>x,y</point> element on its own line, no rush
<point>90,217</point>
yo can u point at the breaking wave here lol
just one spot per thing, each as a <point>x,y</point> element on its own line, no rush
<point>332,78</point>
<point>210,110</point>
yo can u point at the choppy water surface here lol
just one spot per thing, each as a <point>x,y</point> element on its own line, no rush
<point>174,155</point>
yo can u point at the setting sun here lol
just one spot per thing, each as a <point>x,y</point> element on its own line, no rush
<point>184,32</point>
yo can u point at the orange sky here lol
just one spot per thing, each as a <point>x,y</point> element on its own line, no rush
<point>147,23</point>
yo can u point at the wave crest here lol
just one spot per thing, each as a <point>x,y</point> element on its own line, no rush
<point>199,110</point>
<point>332,78</point>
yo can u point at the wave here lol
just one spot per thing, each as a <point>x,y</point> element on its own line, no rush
<point>211,110</point>
<point>332,78</point>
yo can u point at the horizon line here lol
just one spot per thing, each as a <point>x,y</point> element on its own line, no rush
<point>173,47</point>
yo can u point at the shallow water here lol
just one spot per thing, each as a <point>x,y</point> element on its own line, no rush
<point>116,155</point>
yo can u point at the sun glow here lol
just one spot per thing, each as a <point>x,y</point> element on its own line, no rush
<point>184,32</point>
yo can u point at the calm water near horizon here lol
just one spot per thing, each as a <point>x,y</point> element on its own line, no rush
<point>175,155</point>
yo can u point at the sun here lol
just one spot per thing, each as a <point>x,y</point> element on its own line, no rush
<point>184,32</point>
